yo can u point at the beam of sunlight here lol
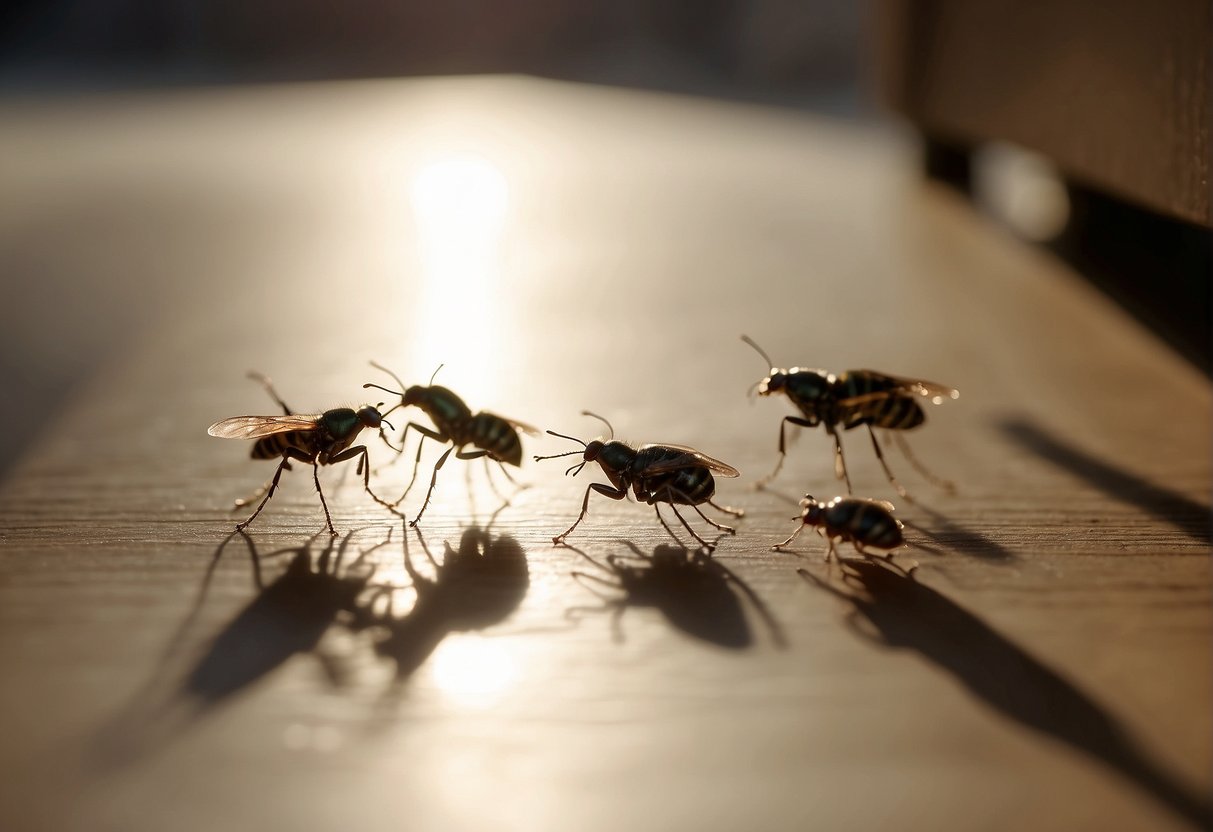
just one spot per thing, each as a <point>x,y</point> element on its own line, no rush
<point>461,204</point>
<point>474,672</point>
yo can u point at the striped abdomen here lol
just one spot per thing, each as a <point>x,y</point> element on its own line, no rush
<point>865,522</point>
<point>497,436</point>
<point>898,412</point>
<point>689,486</point>
<point>274,446</point>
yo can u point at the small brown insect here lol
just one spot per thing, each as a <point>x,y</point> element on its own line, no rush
<point>851,519</point>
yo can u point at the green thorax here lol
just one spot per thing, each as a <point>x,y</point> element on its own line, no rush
<point>443,407</point>
<point>341,422</point>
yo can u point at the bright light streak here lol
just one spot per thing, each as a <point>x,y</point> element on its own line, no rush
<point>461,204</point>
<point>472,671</point>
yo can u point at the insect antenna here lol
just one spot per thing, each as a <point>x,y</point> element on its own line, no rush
<point>440,366</point>
<point>761,351</point>
<point>385,390</point>
<point>395,377</point>
<point>566,453</point>
<point>601,419</point>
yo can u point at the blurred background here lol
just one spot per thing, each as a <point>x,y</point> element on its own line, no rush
<point>85,56</point>
<point>583,205</point>
<point>1117,98</point>
<point>802,53</point>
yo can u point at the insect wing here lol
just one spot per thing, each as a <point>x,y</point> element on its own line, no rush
<point>935,392</point>
<point>514,423</point>
<point>255,427</point>
<point>689,457</point>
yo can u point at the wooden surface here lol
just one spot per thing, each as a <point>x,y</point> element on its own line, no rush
<point>1116,93</point>
<point>562,248</point>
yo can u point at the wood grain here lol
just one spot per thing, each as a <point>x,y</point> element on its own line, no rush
<point>1047,667</point>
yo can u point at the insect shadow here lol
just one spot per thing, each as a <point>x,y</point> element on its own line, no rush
<point>892,609</point>
<point>1187,515</point>
<point>287,617</point>
<point>696,594</point>
<point>474,587</point>
<point>950,535</point>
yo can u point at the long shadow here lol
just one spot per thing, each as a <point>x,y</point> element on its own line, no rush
<point>696,593</point>
<point>902,613</point>
<point>954,537</point>
<point>287,617</point>
<point>1187,515</point>
<point>474,587</point>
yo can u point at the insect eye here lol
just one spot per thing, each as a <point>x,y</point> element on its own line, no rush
<point>592,450</point>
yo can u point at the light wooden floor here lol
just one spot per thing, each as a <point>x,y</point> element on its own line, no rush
<point>562,248</point>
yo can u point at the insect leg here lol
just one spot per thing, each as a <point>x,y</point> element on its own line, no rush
<point>316,478</point>
<point>433,482</point>
<point>840,462</point>
<point>736,512</point>
<point>938,482</point>
<point>601,488</point>
<point>778,547</point>
<point>426,433</point>
<point>467,474</point>
<point>404,434</point>
<point>879,455</point>
<point>488,474</point>
<point>687,526</point>
<point>795,420</point>
<point>265,382</point>
<point>241,502</point>
<point>713,523</point>
<point>666,526</point>
<point>290,454</point>
<point>506,471</point>
<point>364,468</point>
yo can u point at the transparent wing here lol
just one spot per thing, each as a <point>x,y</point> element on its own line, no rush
<point>255,427</point>
<point>917,386</point>
<point>514,423</point>
<point>689,457</point>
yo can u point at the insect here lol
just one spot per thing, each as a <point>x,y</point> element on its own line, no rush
<point>322,439</point>
<point>673,474</point>
<point>852,519</point>
<point>848,400</point>
<point>494,437</point>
